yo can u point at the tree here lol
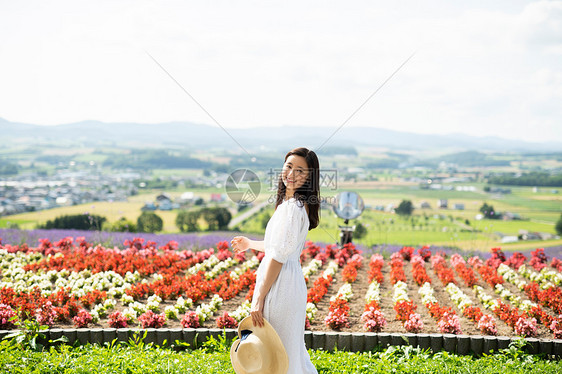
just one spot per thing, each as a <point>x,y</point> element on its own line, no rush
<point>360,231</point>
<point>76,221</point>
<point>405,208</point>
<point>149,222</point>
<point>559,226</point>
<point>216,218</point>
<point>124,225</point>
<point>265,219</point>
<point>186,221</point>
<point>489,212</point>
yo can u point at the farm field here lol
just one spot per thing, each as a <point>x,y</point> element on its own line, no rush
<point>130,209</point>
<point>146,285</point>
<point>445,227</point>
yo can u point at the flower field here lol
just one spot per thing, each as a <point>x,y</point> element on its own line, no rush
<point>71,282</point>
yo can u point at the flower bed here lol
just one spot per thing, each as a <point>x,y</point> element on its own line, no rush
<point>72,283</point>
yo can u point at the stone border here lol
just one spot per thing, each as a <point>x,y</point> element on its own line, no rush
<point>330,340</point>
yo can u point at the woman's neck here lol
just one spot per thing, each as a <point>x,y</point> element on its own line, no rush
<point>289,194</point>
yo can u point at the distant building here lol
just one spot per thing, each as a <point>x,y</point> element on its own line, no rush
<point>508,216</point>
<point>443,203</point>
<point>64,200</point>
<point>217,197</point>
<point>509,239</point>
<point>165,205</point>
<point>149,205</point>
<point>187,196</point>
<point>163,197</point>
<point>499,190</point>
<point>425,205</point>
<point>458,206</point>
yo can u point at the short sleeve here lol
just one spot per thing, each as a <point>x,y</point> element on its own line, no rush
<point>285,235</point>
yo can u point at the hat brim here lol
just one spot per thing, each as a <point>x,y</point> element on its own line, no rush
<point>268,335</point>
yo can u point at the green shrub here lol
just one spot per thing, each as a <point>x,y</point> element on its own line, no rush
<point>558,226</point>
<point>149,222</point>
<point>76,221</point>
<point>123,225</point>
<point>186,221</point>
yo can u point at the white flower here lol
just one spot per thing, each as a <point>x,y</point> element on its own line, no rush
<point>311,311</point>
<point>373,293</point>
<point>312,267</point>
<point>183,304</point>
<point>171,312</point>
<point>331,269</point>
<point>345,292</point>
<point>426,293</point>
<point>138,307</point>
<point>242,311</point>
<point>95,316</point>
<point>131,314</point>
<point>400,292</point>
<point>126,299</point>
<point>109,304</point>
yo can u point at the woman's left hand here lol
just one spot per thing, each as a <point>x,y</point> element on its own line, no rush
<point>257,313</point>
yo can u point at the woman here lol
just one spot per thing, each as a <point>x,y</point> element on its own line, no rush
<point>280,292</point>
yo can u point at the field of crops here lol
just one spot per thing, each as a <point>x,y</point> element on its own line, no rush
<point>72,282</point>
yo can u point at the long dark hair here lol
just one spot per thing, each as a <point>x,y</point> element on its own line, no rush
<point>309,192</point>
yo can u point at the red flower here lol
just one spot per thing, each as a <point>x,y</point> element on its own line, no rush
<point>338,316</point>
<point>82,319</point>
<point>226,321</point>
<point>375,268</point>
<point>404,309</point>
<point>406,253</point>
<point>151,319</point>
<point>117,320</point>
<point>190,320</point>
<point>319,289</point>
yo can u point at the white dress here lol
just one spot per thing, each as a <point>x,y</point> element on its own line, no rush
<point>285,303</point>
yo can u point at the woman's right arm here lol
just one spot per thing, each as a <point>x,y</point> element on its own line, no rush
<point>242,243</point>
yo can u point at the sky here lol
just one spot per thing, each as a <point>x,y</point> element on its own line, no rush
<point>482,68</point>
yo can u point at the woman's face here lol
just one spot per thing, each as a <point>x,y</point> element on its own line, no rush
<point>295,172</point>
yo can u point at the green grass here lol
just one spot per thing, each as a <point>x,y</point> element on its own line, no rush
<point>416,193</point>
<point>382,228</point>
<point>7,222</point>
<point>512,227</point>
<point>147,359</point>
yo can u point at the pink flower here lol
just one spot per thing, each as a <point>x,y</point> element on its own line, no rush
<point>46,314</point>
<point>82,319</point>
<point>414,323</point>
<point>487,325</point>
<point>526,327</point>
<point>336,320</point>
<point>449,324</point>
<point>190,319</point>
<point>151,319</point>
<point>7,317</point>
<point>226,321</point>
<point>117,320</point>
<point>374,320</point>
<point>556,327</point>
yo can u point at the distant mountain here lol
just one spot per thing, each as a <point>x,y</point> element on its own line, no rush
<point>199,136</point>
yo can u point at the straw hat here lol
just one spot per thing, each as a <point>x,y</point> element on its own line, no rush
<point>259,350</point>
